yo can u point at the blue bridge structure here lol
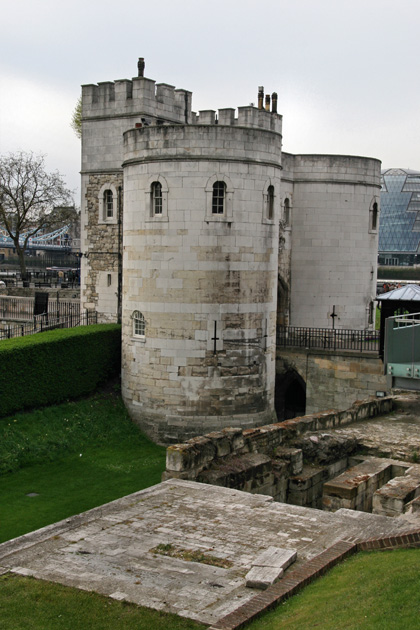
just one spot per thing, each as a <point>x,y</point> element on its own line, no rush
<point>58,240</point>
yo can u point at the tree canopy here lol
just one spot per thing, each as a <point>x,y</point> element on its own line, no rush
<point>76,118</point>
<point>32,201</point>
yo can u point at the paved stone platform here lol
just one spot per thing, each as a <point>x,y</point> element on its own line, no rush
<point>108,549</point>
<point>396,435</point>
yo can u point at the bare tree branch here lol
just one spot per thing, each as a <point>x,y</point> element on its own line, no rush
<point>30,199</point>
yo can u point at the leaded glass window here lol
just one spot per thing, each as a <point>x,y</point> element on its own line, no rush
<point>218,200</point>
<point>108,204</point>
<point>139,324</point>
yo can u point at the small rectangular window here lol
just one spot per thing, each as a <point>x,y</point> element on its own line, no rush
<point>218,200</point>
<point>108,204</point>
<point>156,192</point>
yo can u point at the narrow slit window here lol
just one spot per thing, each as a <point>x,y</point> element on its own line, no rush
<point>218,200</point>
<point>270,203</point>
<point>157,200</point>
<point>374,217</point>
<point>287,212</point>
<point>108,204</point>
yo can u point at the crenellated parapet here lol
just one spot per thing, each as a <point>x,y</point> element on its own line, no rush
<point>151,103</point>
<point>248,116</point>
<point>136,97</point>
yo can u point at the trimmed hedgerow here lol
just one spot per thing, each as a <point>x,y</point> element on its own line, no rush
<point>57,365</point>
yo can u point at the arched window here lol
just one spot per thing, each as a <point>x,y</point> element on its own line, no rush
<point>218,199</point>
<point>156,198</point>
<point>108,204</point>
<point>139,324</point>
<point>287,212</point>
<point>270,203</point>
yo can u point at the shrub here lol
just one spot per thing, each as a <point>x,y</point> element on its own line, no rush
<point>57,365</point>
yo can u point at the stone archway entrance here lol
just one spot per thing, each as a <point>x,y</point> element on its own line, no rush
<point>290,395</point>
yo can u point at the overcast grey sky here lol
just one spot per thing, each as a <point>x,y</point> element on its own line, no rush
<point>346,71</point>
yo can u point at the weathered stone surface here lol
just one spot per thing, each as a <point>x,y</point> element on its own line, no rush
<point>275,557</point>
<point>249,472</point>
<point>393,497</point>
<point>293,456</point>
<point>357,485</point>
<point>334,380</point>
<point>263,577</point>
<point>325,448</point>
<point>393,435</point>
<point>220,522</point>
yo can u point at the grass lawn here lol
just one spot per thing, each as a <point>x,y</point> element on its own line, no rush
<point>369,591</point>
<point>81,454</point>
<point>26,603</point>
<point>73,456</point>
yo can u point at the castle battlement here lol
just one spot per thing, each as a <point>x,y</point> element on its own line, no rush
<point>162,103</point>
<point>138,96</point>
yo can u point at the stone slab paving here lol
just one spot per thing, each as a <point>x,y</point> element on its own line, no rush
<point>396,435</point>
<point>108,549</point>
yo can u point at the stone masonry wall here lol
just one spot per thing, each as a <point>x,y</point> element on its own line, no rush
<point>100,248</point>
<point>192,274</point>
<point>334,249</point>
<point>333,381</point>
<point>190,459</point>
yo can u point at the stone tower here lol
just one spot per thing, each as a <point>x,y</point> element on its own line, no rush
<point>201,221</point>
<point>198,233</point>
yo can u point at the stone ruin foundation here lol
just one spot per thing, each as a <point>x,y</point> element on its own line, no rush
<point>300,463</point>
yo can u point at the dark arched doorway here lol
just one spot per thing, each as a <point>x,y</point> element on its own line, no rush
<point>290,395</point>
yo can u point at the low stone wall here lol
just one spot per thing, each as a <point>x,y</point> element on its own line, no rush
<point>196,457</point>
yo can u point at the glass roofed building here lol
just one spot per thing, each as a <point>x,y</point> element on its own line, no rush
<point>399,227</point>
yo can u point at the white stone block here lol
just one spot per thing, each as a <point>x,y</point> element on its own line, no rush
<point>263,577</point>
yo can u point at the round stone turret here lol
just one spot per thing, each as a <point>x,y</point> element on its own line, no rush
<point>201,221</point>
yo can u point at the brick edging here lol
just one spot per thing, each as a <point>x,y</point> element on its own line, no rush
<point>308,572</point>
<point>410,538</point>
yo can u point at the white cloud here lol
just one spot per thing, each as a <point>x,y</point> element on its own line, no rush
<point>36,117</point>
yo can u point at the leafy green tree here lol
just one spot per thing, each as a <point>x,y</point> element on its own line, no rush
<point>76,119</point>
<point>32,201</point>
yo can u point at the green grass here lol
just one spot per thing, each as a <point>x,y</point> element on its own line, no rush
<point>377,319</point>
<point>370,591</point>
<point>37,605</point>
<point>74,456</point>
<point>82,454</point>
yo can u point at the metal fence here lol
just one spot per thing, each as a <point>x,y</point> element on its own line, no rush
<point>14,307</point>
<point>41,323</point>
<point>328,339</point>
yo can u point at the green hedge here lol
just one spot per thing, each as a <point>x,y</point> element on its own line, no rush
<point>398,273</point>
<point>57,365</point>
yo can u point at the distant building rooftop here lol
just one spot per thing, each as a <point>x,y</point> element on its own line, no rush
<point>399,226</point>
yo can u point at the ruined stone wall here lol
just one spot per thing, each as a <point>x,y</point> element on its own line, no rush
<point>333,381</point>
<point>202,458</point>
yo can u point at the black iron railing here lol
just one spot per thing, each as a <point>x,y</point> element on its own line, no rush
<point>13,307</point>
<point>328,339</point>
<point>41,323</point>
